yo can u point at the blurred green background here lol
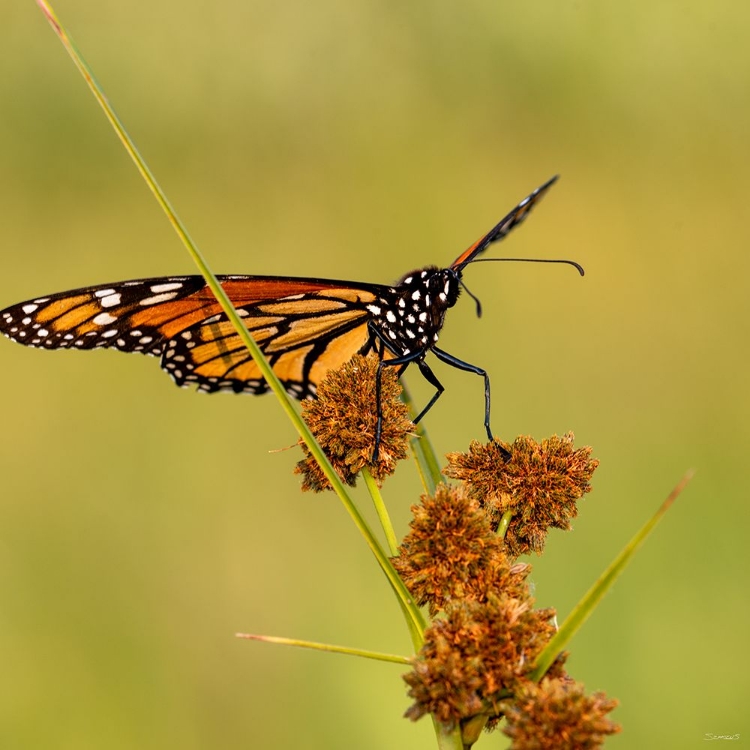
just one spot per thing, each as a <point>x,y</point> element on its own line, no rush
<point>142,525</point>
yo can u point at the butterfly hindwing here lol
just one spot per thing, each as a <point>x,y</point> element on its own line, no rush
<point>303,336</point>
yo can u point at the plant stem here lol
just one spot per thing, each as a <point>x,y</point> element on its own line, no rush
<point>424,454</point>
<point>447,739</point>
<point>502,528</point>
<point>382,511</point>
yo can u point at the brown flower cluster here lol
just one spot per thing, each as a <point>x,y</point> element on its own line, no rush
<point>451,553</point>
<point>557,715</point>
<point>538,483</point>
<point>479,652</point>
<point>343,419</point>
<point>476,656</point>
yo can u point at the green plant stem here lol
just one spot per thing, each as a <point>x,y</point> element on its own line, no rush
<point>393,658</point>
<point>471,729</point>
<point>593,596</point>
<point>382,511</point>
<point>385,522</point>
<point>502,528</point>
<point>408,605</point>
<point>424,454</point>
<point>447,739</point>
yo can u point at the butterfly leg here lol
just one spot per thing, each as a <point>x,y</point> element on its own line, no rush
<point>449,359</point>
<point>401,363</point>
<point>430,377</point>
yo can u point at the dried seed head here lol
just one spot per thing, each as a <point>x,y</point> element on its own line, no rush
<point>343,418</point>
<point>475,656</point>
<point>452,553</point>
<point>557,715</point>
<point>539,483</point>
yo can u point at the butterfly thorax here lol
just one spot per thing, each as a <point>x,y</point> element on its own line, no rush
<point>408,318</point>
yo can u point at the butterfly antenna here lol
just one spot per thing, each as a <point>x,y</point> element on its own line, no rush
<point>575,265</point>
<point>473,296</point>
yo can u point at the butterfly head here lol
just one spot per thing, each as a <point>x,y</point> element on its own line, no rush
<point>431,286</point>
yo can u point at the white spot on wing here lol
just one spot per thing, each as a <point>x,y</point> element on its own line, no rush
<point>28,309</point>
<point>158,298</point>
<point>158,288</point>
<point>111,300</point>
<point>104,319</point>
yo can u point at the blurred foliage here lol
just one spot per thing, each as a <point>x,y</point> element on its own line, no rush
<point>141,525</point>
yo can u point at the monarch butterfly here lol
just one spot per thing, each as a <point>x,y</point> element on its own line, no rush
<point>305,326</point>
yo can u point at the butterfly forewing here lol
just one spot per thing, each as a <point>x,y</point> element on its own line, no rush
<point>305,326</point>
<point>130,315</point>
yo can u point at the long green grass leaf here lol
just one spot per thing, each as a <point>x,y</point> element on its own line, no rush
<point>394,658</point>
<point>396,583</point>
<point>586,606</point>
